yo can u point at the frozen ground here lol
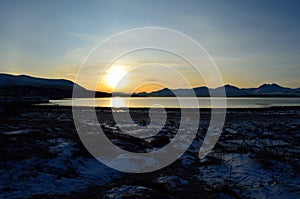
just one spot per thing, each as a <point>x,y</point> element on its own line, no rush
<point>257,156</point>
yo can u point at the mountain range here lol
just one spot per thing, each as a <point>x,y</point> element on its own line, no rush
<point>22,86</point>
<point>265,90</point>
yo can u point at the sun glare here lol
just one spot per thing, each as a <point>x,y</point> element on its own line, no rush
<point>114,75</point>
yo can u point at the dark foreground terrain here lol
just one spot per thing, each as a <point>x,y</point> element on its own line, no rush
<point>257,156</point>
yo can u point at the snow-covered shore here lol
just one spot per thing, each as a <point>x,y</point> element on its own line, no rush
<point>257,156</point>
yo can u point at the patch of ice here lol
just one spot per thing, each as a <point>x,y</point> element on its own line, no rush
<point>132,162</point>
<point>63,146</point>
<point>229,130</point>
<point>171,181</point>
<point>126,191</point>
<point>20,132</point>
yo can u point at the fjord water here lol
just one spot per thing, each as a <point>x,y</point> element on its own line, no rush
<point>185,102</point>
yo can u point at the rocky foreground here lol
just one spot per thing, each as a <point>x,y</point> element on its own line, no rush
<point>257,156</point>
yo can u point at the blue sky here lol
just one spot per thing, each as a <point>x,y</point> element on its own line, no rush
<point>252,42</point>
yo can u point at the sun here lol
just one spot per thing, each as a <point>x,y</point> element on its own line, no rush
<point>114,75</point>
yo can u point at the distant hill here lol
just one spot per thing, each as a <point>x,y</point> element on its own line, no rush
<point>265,90</point>
<point>32,89</point>
<point>7,80</point>
<point>273,88</point>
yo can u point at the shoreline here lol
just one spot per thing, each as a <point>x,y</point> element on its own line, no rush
<point>172,109</point>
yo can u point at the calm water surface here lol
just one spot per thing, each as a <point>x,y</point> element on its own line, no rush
<point>171,102</point>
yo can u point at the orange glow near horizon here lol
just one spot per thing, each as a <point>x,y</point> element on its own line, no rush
<point>149,88</point>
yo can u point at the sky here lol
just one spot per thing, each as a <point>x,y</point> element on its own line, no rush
<point>252,42</point>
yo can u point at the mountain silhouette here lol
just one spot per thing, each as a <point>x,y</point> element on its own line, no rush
<point>265,90</point>
<point>24,88</point>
